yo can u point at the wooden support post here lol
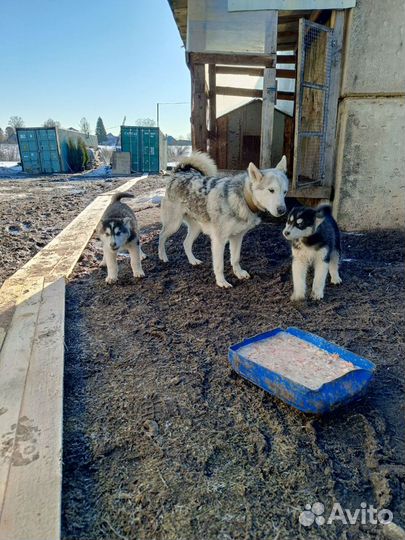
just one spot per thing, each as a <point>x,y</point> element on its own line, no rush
<point>269,91</point>
<point>297,108</point>
<point>198,108</point>
<point>335,79</point>
<point>212,111</point>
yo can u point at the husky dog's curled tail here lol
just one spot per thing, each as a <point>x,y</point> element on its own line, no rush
<point>199,161</point>
<point>118,196</point>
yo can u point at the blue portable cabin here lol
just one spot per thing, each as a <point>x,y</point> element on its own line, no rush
<point>147,146</point>
<point>45,150</point>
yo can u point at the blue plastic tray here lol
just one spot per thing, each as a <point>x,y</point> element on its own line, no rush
<point>321,400</point>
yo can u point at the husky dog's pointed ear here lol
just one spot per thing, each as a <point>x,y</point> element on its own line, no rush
<point>127,221</point>
<point>320,214</point>
<point>254,173</point>
<point>282,165</point>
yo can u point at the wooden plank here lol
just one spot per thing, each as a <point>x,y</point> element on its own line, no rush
<point>32,503</point>
<point>286,59</point>
<point>269,91</point>
<point>14,361</point>
<point>254,72</point>
<point>288,5</point>
<point>251,92</point>
<point>198,108</point>
<point>212,110</point>
<point>247,59</point>
<point>297,103</point>
<point>236,70</point>
<point>287,26</point>
<point>243,92</point>
<point>286,73</point>
<point>287,96</point>
<point>334,92</point>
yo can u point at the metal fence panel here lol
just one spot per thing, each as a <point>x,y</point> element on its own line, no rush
<point>312,100</point>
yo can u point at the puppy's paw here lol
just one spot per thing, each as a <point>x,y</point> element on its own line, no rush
<point>143,256</point>
<point>164,258</point>
<point>111,279</point>
<point>317,295</point>
<point>336,280</point>
<point>242,274</point>
<point>139,274</point>
<point>195,262</point>
<point>224,284</point>
<point>102,264</point>
<point>297,297</point>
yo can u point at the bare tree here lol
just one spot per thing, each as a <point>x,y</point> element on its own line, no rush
<point>175,152</point>
<point>16,122</point>
<point>51,123</point>
<point>85,126</point>
<point>10,133</point>
<point>146,122</point>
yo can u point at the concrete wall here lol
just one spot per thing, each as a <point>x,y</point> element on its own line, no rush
<point>370,180</point>
<point>370,162</point>
<point>375,53</point>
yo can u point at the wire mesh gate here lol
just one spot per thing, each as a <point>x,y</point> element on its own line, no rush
<point>312,100</point>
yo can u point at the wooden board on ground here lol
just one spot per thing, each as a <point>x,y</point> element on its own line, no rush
<point>14,363</point>
<point>32,310</point>
<point>31,505</point>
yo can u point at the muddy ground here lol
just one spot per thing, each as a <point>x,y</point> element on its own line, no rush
<point>33,212</point>
<point>163,441</point>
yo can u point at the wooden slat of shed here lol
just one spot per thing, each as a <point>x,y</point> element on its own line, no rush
<point>32,498</point>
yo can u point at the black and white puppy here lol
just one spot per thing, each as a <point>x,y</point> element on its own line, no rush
<point>315,241</point>
<point>118,231</point>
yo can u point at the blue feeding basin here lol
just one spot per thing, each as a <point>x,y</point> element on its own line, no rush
<point>302,369</point>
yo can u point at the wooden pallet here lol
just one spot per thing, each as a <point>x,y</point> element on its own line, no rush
<point>32,320</point>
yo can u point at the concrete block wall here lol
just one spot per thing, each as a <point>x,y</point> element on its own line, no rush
<point>370,166</point>
<point>370,160</point>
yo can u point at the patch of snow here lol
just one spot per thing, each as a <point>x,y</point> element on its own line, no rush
<point>9,168</point>
<point>152,197</point>
<point>103,170</point>
<point>8,164</point>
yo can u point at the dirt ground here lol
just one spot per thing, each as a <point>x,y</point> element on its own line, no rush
<point>32,212</point>
<point>162,440</point>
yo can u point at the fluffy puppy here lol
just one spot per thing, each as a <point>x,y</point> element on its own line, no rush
<point>315,241</point>
<point>118,231</point>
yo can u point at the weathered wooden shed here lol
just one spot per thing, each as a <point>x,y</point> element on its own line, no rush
<point>336,65</point>
<point>238,136</point>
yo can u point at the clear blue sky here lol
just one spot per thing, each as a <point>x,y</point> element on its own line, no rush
<point>64,59</point>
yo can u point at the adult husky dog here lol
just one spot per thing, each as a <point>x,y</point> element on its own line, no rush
<point>224,208</point>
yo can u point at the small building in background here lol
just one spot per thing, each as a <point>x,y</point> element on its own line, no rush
<point>147,146</point>
<point>45,150</point>
<point>238,136</point>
